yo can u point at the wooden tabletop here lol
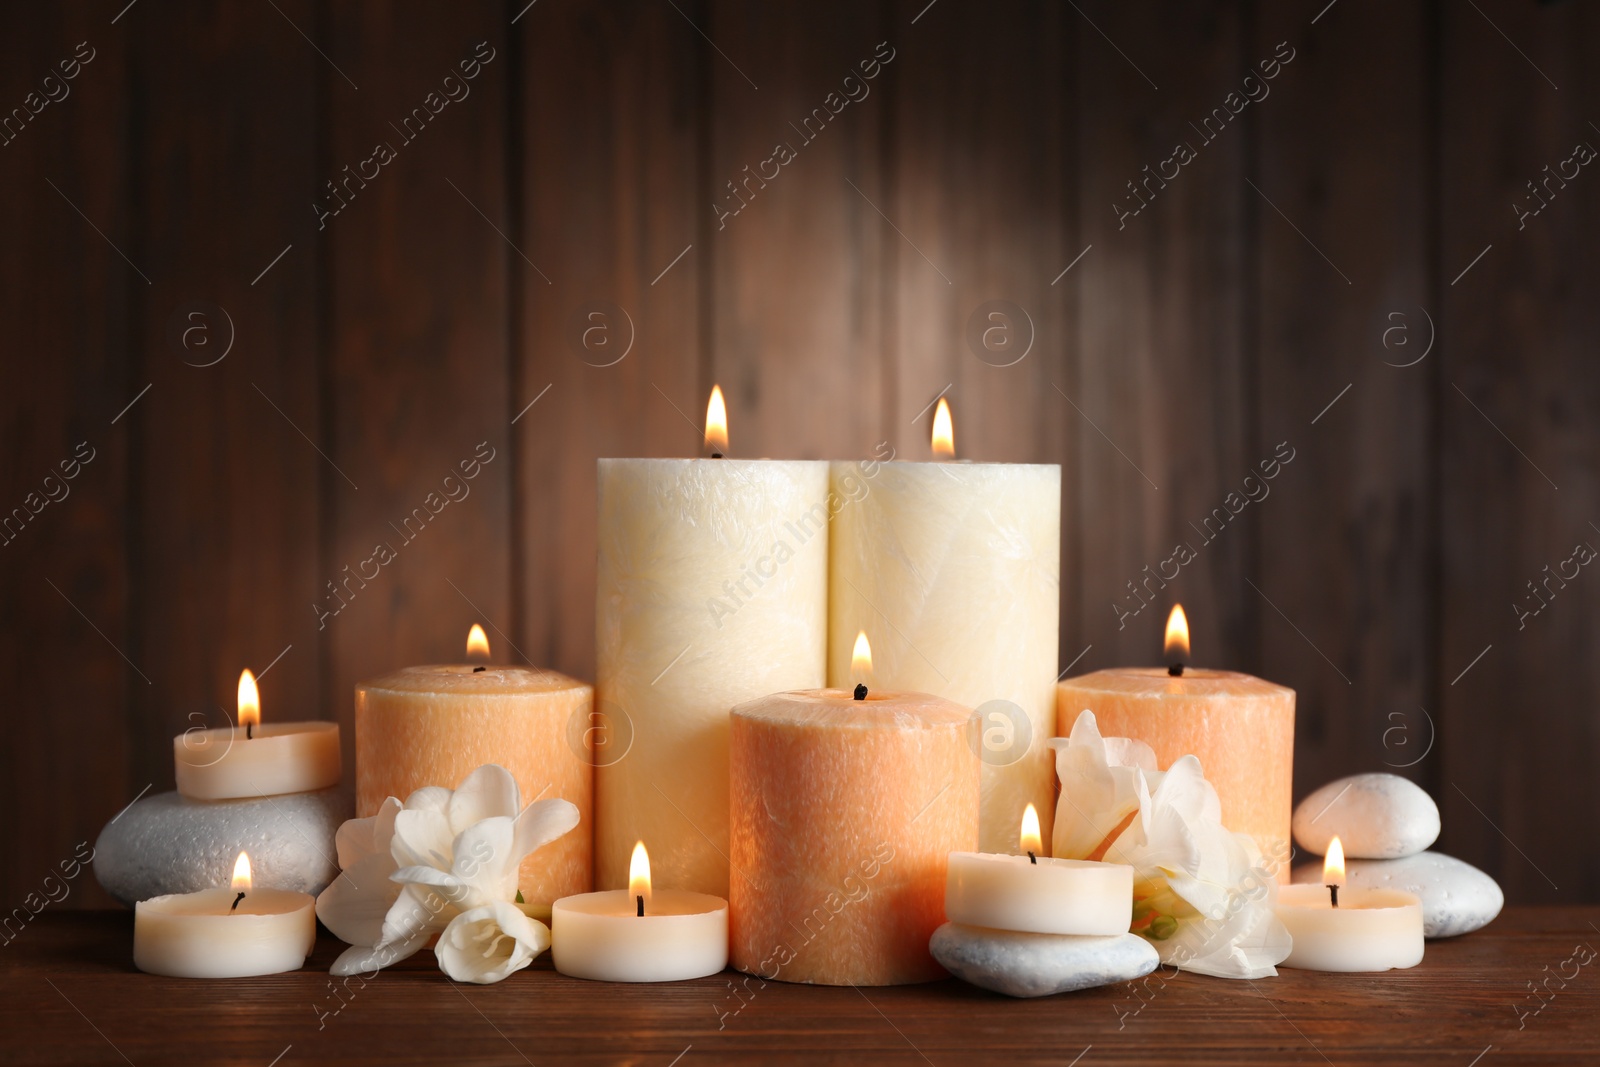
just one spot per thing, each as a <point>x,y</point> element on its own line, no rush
<point>69,994</point>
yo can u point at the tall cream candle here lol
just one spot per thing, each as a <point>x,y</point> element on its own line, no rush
<point>955,568</point>
<point>712,590</point>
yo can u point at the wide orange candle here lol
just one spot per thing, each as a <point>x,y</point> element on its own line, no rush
<point>434,725</point>
<point>843,815</point>
<point>1240,727</point>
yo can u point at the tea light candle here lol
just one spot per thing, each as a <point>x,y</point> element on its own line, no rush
<point>435,724</point>
<point>1038,894</point>
<point>1369,930</point>
<point>639,934</point>
<point>224,933</point>
<point>253,760</point>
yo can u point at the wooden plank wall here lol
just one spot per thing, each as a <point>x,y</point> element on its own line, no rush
<point>560,259</point>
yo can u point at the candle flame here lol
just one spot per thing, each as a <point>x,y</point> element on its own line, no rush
<point>1031,838</point>
<point>249,700</point>
<point>477,643</point>
<point>241,873</point>
<point>1177,645</point>
<point>861,658</point>
<point>639,873</point>
<point>944,432</point>
<point>716,423</point>
<point>1333,863</point>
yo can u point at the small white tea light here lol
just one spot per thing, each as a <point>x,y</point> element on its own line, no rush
<point>1358,930</point>
<point>640,934</point>
<point>234,932</point>
<point>1036,894</point>
<point>254,760</point>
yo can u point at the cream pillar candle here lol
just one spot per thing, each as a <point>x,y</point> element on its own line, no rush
<point>1033,893</point>
<point>224,933</point>
<point>1240,728</point>
<point>845,812</point>
<point>639,934</point>
<point>255,760</point>
<point>434,725</point>
<point>712,590</point>
<point>956,570</point>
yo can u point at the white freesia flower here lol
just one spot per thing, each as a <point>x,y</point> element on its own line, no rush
<point>412,868</point>
<point>1202,895</point>
<point>488,943</point>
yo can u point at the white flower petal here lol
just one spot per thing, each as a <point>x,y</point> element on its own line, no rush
<point>541,823</point>
<point>421,837</point>
<point>1095,796</point>
<point>486,862</point>
<point>358,838</point>
<point>486,792</point>
<point>369,961</point>
<point>489,943</point>
<point>429,798</point>
<point>417,912</point>
<point>355,903</point>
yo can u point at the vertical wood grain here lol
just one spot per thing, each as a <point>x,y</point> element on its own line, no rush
<point>1345,296</point>
<point>610,316</point>
<point>419,372</point>
<point>795,248</point>
<point>1517,398</point>
<point>1162,406</point>
<point>227,520</point>
<point>64,296</point>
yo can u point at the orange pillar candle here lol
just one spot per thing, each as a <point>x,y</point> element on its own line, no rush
<point>843,814</point>
<point>434,725</point>
<point>1241,728</point>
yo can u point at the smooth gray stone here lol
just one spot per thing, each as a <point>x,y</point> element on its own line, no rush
<point>1037,965</point>
<point>1457,898</point>
<point>169,844</point>
<point>1376,817</point>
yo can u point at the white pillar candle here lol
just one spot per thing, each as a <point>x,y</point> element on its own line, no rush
<point>602,936</point>
<point>204,935</point>
<point>1370,930</point>
<point>712,590</point>
<point>1036,894</point>
<point>955,568</point>
<point>255,760</point>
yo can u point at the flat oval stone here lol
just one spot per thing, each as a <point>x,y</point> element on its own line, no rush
<point>168,843</point>
<point>1457,898</point>
<point>1376,817</point>
<point>1037,965</point>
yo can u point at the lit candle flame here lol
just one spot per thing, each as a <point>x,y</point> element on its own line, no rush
<point>944,432</point>
<point>1333,863</point>
<point>639,874</point>
<point>477,643</point>
<point>241,873</point>
<point>716,424</point>
<point>861,658</point>
<point>1177,645</point>
<point>1032,841</point>
<point>249,700</point>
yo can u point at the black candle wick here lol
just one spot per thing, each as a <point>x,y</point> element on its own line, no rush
<point>236,901</point>
<point>640,899</point>
<point>1333,892</point>
<point>861,691</point>
<point>1032,858</point>
<point>1176,670</point>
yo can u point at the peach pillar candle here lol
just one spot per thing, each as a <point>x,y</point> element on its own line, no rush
<point>844,814</point>
<point>1241,729</point>
<point>434,725</point>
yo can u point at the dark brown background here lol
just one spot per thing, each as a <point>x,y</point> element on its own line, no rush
<point>1175,354</point>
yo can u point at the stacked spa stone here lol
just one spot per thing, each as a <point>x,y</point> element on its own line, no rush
<point>1386,824</point>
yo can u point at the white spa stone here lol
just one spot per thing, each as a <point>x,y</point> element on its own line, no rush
<point>168,843</point>
<point>1037,965</point>
<point>1375,816</point>
<point>1457,898</point>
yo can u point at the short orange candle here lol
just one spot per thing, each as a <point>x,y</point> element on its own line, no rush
<point>844,812</point>
<point>434,725</point>
<point>1241,728</point>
